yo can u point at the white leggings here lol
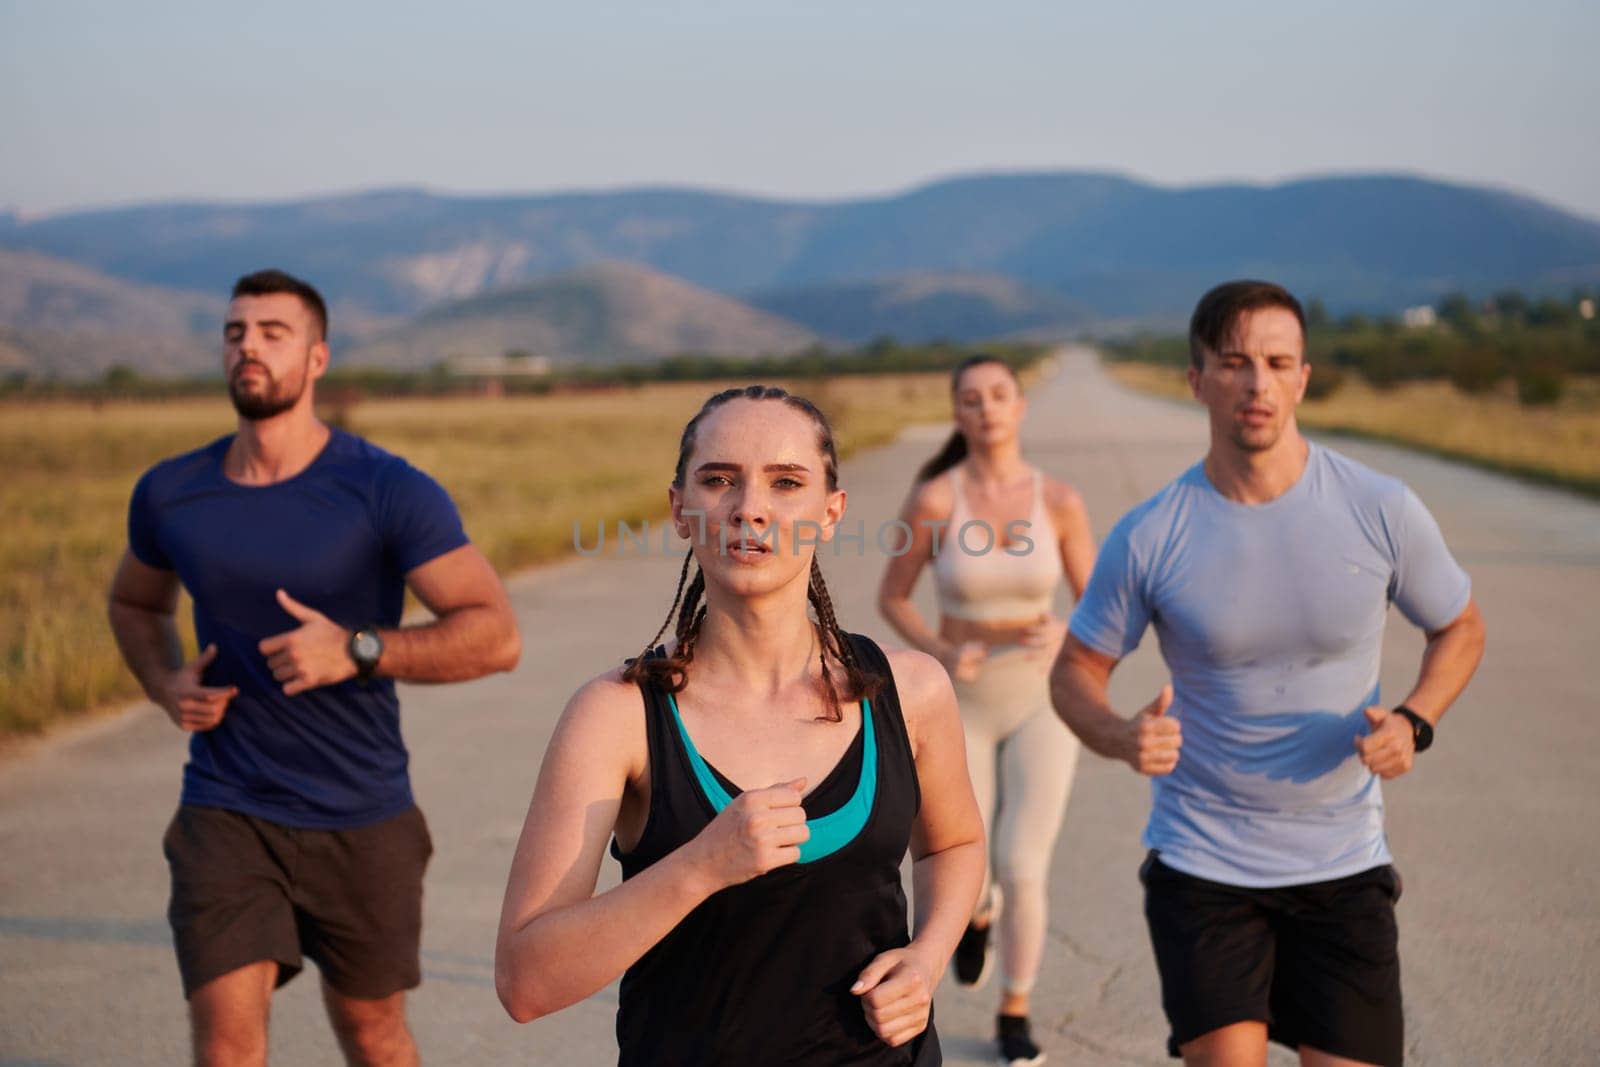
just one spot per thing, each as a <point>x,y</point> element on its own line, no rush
<point>1022,758</point>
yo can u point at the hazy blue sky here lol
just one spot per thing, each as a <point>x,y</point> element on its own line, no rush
<point>117,102</point>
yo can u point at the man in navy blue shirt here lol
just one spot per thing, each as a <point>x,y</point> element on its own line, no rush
<point>296,834</point>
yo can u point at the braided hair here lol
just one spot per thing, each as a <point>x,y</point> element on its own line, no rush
<point>671,671</point>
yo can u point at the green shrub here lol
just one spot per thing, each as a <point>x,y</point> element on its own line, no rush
<point>1326,378</point>
<point>1540,386</point>
<point>1475,370</point>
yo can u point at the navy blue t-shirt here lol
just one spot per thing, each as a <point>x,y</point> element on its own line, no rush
<point>339,537</point>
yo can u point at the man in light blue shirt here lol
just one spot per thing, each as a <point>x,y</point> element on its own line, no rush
<point>1267,571</point>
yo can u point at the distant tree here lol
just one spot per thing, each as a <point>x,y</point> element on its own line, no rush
<point>1427,354</point>
<point>1456,310</point>
<point>1511,304</point>
<point>1326,379</point>
<point>1540,385</point>
<point>120,378</point>
<point>1343,356</point>
<point>1382,367</point>
<point>1550,312</point>
<point>1317,315</point>
<point>1475,370</point>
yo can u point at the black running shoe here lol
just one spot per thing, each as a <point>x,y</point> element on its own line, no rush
<point>972,955</point>
<point>1016,1046</point>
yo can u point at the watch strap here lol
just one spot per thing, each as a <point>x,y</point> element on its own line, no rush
<point>1421,729</point>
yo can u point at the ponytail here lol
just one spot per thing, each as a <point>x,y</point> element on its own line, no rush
<point>953,452</point>
<point>955,449</point>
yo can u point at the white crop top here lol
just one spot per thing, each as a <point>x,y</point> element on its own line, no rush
<point>980,577</point>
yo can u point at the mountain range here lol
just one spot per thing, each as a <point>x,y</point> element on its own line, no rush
<point>991,255</point>
<point>74,322</point>
<point>605,313</point>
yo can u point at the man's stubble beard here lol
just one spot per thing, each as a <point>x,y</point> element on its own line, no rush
<point>272,400</point>
<point>1263,440</point>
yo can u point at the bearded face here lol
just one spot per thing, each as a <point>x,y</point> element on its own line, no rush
<point>257,394</point>
<point>272,351</point>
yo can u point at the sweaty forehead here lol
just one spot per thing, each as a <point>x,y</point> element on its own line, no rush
<point>1266,331</point>
<point>756,432</point>
<point>282,307</point>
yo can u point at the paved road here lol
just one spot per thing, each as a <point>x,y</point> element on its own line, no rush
<point>1496,833</point>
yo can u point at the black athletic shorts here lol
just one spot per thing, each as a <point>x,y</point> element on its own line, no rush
<point>245,890</point>
<point>1318,963</point>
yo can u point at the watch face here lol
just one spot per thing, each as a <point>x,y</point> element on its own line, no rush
<point>365,647</point>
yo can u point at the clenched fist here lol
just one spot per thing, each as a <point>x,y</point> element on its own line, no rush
<point>896,992</point>
<point>760,830</point>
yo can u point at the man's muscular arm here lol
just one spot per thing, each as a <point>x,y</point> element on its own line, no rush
<point>1149,742</point>
<point>142,611</point>
<point>1448,662</point>
<point>474,632</point>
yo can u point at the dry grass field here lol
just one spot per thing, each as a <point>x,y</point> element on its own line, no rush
<point>520,468</point>
<point>1559,445</point>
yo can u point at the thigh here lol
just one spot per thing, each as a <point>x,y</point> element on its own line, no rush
<point>1234,1045</point>
<point>371,1031</point>
<point>358,895</point>
<point>1037,764</point>
<point>229,1015</point>
<point>1214,950</point>
<point>1337,986</point>
<point>230,904</point>
<point>1010,685</point>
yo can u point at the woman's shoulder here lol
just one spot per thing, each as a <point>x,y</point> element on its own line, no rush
<point>914,671</point>
<point>1061,499</point>
<point>922,685</point>
<point>935,497</point>
<point>607,709</point>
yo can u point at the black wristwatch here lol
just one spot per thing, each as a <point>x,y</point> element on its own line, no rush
<point>365,648</point>
<point>1421,729</point>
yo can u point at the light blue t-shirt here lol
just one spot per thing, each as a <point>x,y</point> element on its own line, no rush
<point>1270,618</point>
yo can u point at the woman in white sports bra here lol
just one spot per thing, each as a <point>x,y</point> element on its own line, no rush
<point>1000,536</point>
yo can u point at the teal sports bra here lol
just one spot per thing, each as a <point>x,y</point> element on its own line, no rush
<point>830,832</point>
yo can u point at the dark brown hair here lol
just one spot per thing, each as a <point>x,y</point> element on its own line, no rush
<point>1218,313</point>
<point>267,282</point>
<point>955,449</point>
<point>671,671</point>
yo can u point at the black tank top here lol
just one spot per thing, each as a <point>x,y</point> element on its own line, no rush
<point>760,973</point>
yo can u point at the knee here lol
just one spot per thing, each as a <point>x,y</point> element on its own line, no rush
<point>229,1046</point>
<point>227,1031</point>
<point>1020,878</point>
<point>372,1033</point>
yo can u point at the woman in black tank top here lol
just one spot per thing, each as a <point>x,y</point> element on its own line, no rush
<point>755,923</point>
